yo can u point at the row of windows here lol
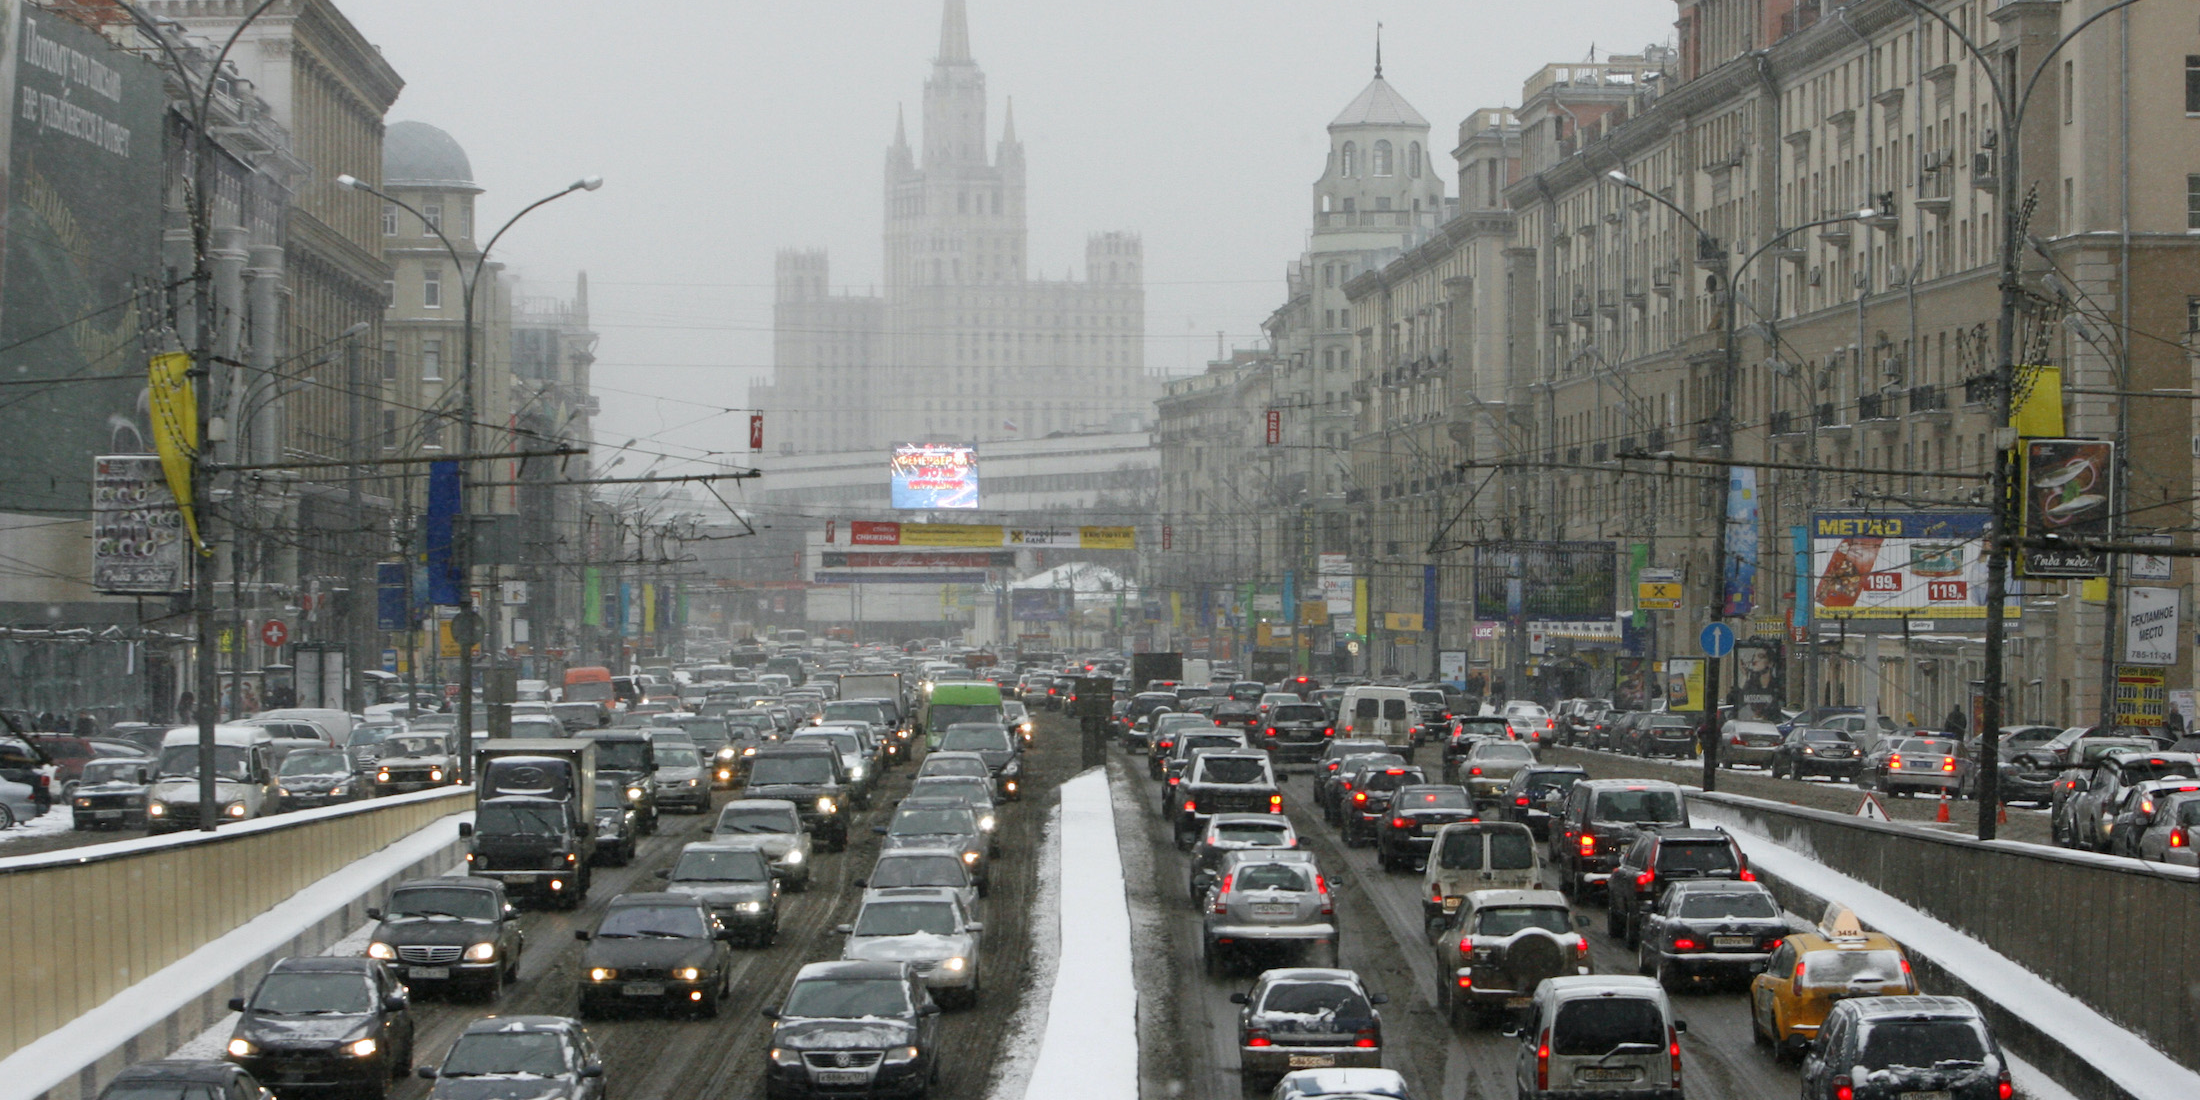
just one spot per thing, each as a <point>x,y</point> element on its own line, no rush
<point>431,360</point>
<point>433,219</point>
<point>1348,160</point>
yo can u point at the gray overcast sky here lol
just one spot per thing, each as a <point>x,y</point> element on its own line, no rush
<point>728,129</point>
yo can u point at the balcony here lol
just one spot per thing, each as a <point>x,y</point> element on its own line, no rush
<point>1824,415</point>
<point>1929,404</point>
<point>1871,406</point>
<point>1979,390</point>
<point>1709,436</point>
<point>1634,292</point>
<point>1661,282</point>
<point>1580,308</point>
<point>1783,424</point>
<point>1600,452</point>
<point>1608,303</point>
<point>1658,442</point>
<point>1837,233</point>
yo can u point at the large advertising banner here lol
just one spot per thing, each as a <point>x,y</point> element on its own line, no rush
<point>82,234</point>
<point>1741,540</point>
<point>1684,683</point>
<point>137,530</point>
<point>1550,581</point>
<point>2068,486</point>
<point>1899,565</point>
<point>982,535</point>
<point>934,475</point>
<point>2150,626</point>
<point>1041,605</point>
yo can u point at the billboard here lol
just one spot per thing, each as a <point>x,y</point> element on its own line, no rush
<point>2068,488</point>
<point>1741,540</point>
<point>1549,581</point>
<point>1041,605</point>
<point>1899,565</point>
<point>1684,683</point>
<point>137,530</point>
<point>82,236</point>
<point>2150,626</point>
<point>934,475</point>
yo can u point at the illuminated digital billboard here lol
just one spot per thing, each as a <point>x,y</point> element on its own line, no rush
<point>934,475</point>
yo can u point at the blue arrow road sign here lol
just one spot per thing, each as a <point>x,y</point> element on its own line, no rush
<point>1718,640</point>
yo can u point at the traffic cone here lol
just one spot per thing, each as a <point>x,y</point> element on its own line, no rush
<point>1941,815</point>
<point>2001,813</point>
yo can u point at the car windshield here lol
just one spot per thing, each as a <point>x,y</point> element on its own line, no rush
<point>363,736</point>
<point>316,762</point>
<point>740,821</point>
<point>678,756</point>
<point>1508,919</point>
<point>1696,855</point>
<point>622,756</point>
<point>1639,804</point>
<point>1192,741</point>
<point>498,818</point>
<point>1322,999</point>
<point>1486,725</point>
<point>161,1090</point>
<point>974,740</point>
<point>1298,712</point>
<point>1921,1044</point>
<point>433,902</point>
<point>1387,779</point>
<point>843,743</point>
<point>1501,752</point>
<point>946,715</point>
<point>1232,769</point>
<point>1593,1027</point>
<point>852,712</point>
<point>1255,833</point>
<point>742,866</point>
<point>1547,781</point>
<point>967,787</point>
<point>653,921</point>
<point>1926,746</point>
<point>1836,736</point>
<point>919,871</point>
<point>847,998</point>
<point>2188,812</point>
<point>1707,904</point>
<point>2091,749</point>
<point>2139,771</point>
<point>182,761</point>
<point>932,822</point>
<point>1839,969</point>
<point>297,993</point>
<point>1432,798</point>
<point>507,1054</point>
<point>803,769</point>
<point>411,744</point>
<point>906,918</point>
<point>954,765</point>
<point>112,771</point>
<point>1271,876</point>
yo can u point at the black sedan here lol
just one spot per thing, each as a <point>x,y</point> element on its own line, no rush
<point>1710,928</point>
<point>460,933</point>
<point>537,1057</point>
<point>852,1028</point>
<point>1417,814</point>
<point>1806,752</point>
<point>666,949</point>
<point>325,1024</point>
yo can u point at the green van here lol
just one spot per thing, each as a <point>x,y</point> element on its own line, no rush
<point>950,702</point>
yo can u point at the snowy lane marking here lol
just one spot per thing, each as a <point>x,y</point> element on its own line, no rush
<point>1094,1050</point>
<point>1027,1029</point>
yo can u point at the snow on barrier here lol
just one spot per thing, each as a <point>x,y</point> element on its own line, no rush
<point>153,1016</point>
<point>1090,1047</point>
<point>2085,1047</point>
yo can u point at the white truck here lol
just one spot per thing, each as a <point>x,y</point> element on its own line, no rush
<point>876,685</point>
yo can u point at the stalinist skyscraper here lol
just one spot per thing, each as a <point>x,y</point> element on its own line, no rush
<point>967,343</point>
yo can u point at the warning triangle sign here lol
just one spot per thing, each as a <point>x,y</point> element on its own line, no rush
<point>1871,810</point>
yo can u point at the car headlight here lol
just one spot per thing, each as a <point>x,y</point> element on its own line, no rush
<point>156,809</point>
<point>794,856</point>
<point>858,772</point>
<point>382,951</point>
<point>633,794</point>
<point>749,750</point>
<point>234,809</point>
<point>602,974</point>
<point>970,857</point>
<point>687,973</point>
<point>784,1057</point>
<point>435,775</point>
<point>242,1048</point>
<point>83,803</point>
<point>1011,785</point>
<point>986,823</point>
<point>749,907</point>
<point>482,952</point>
<point>726,753</point>
<point>826,805</point>
<point>900,1056</point>
<point>281,791</point>
<point>363,1048</point>
<point>382,776</point>
<point>339,790</point>
<point>694,782</point>
<point>956,964</point>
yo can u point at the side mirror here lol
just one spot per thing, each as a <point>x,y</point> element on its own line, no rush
<point>864,883</point>
<point>929,1009</point>
<point>592,1069</point>
<point>236,1004</point>
<point>974,926</point>
<point>511,912</point>
<point>395,1002</point>
<point>425,1073</point>
<point>581,934</point>
<point>1680,1027</point>
<point>1237,998</point>
<point>374,914</point>
<point>844,929</point>
<point>465,828</point>
<point>769,1012</point>
<point>879,829</point>
<point>1513,1032</point>
<point>665,874</point>
<point>1378,998</point>
<point>1581,922</point>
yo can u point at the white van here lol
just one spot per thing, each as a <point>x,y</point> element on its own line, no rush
<point>244,777</point>
<point>1476,855</point>
<point>1385,713</point>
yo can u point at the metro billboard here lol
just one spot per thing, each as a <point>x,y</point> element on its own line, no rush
<point>934,475</point>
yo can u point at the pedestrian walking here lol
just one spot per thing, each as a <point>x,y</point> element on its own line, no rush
<point>1956,725</point>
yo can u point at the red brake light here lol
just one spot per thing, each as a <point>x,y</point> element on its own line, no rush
<point>1190,808</point>
<point>2177,837</point>
<point>1643,880</point>
<point>1842,1090</point>
<point>1748,875</point>
<point>1588,845</point>
<point>1543,1061</point>
<point>1275,803</point>
<point>1894,760</point>
<point>1521,801</point>
<point>1684,944</point>
<point>1947,763</point>
<point>1329,731</point>
<point>1256,1038</point>
<point>1271,731</point>
<point>1466,981</point>
<point>1394,771</point>
<point>1673,1045</point>
<point>1359,796</point>
<point>1399,823</point>
<point>1367,1038</point>
<point>1476,770</point>
<point>2002,1088</point>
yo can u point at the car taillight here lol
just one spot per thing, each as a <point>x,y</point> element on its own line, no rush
<point>1842,1089</point>
<point>1894,760</point>
<point>1190,807</point>
<point>1368,1038</point>
<point>1329,731</point>
<point>1684,944</point>
<point>1359,797</point>
<point>1256,1038</point>
<point>1476,770</point>
<point>1521,801</point>
<point>1673,1046</point>
<point>1466,981</point>
<point>1947,763</point>
<point>1588,845</point>
<point>2002,1087</point>
<point>1748,875</point>
<point>1543,1061</point>
<point>1167,745</point>
<point>1275,803</point>
<point>1399,823</point>
<point>1643,880</point>
<point>2177,837</point>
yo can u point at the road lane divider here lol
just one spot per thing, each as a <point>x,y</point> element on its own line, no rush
<point>1090,1042</point>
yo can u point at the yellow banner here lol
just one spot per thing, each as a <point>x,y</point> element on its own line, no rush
<point>1313,612</point>
<point>1272,634</point>
<point>1408,622</point>
<point>951,534</point>
<point>174,406</point>
<point>1097,538</point>
<point>1359,606</point>
<point>2036,405</point>
<point>1176,610</point>
<point>1684,684</point>
<point>649,609</point>
<point>446,645</point>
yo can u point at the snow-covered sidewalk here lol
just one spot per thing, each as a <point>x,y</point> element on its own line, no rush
<point>1087,1039</point>
<point>2118,1054</point>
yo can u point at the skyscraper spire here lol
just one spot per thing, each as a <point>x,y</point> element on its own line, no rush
<point>1378,51</point>
<point>901,129</point>
<point>1008,123</point>
<point>954,34</point>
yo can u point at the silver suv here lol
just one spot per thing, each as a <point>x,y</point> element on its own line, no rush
<point>1601,1036</point>
<point>1271,906</point>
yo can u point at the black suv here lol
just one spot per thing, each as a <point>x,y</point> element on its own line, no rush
<point>323,1023</point>
<point>1659,858</point>
<point>450,932</point>
<point>1536,794</point>
<point>1225,781</point>
<point>1709,928</point>
<point>1600,818</point>
<point>809,776</point>
<point>853,1028</point>
<point>662,949</point>
<point>1369,801</point>
<point>629,756</point>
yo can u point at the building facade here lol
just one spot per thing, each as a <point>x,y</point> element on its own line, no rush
<point>967,342</point>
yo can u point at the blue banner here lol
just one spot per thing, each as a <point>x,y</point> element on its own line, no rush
<point>1800,536</point>
<point>446,586</point>
<point>1741,540</point>
<point>390,603</point>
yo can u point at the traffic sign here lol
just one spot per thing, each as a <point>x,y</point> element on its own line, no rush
<point>1717,639</point>
<point>1658,596</point>
<point>274,633</point>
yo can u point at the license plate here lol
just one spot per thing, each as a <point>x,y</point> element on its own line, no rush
<point>429,973</point>
<point>1607,1073</point>
<point>104,815</point>
<point>1451,905</point>
<point>1425,830</point>
<point>1935,1094</point>
<point>644,989</point>
<point>1518,1002</point>
<point>519,880</point>
<point>1270,909</point>
<point>842,1077</point>
<point>1312,1061</point>
<point>1732,941</point>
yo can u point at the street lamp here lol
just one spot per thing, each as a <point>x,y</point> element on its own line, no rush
<point>462,551</point>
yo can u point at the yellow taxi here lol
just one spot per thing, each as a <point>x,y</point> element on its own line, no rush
<point>1809,971</point>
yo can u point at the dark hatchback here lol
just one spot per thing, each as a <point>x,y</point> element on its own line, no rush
<point>450,933</point>
<point>1710,929</point>
<point>1293,732</point>
<point>322,1024</point>
<point>110,794</point>
<point>1533,795</point>
<point>1417,814</point>
<point>852,1029</point>
<point>317,777</point>
<point>662,949</point>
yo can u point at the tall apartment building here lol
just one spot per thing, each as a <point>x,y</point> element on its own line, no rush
<point>967,342</point>
<point>1863,343</point>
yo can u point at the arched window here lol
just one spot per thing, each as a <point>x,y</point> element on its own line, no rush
<point>1382,158</point>
<point>1351,153</point>
<point>1413,166</point>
